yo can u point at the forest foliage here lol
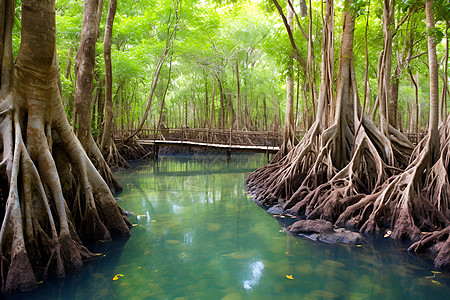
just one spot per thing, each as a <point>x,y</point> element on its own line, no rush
<point>210,36</point>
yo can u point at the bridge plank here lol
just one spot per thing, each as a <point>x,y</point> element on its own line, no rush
<point>245,148</point>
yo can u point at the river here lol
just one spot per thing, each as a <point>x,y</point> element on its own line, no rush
<point>197,235</point>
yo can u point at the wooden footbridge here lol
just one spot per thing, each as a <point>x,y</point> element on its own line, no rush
<point>220,139</point>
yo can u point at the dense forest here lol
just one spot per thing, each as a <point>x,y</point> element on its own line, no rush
<point>345,84</point>
<point>204,48</point>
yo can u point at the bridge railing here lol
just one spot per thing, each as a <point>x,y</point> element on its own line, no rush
<point>211,136</point>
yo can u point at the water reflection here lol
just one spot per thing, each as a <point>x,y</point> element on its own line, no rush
<point>256,273</point>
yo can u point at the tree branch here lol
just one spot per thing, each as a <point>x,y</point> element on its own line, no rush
<point>298,21</point>
<point>289,31</point>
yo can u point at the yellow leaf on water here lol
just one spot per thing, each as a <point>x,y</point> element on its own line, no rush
<point>435,272</point>
<point>358,245</point>
<point>139,267</point>
<point>142,216</point>
<point>435,282</point>
<point>117,276</point>
<point>39,282</point>
<point>289,277</point>
<point>430,276</point>
<point>153,221</point>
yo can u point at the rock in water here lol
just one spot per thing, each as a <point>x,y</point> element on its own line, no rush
<point>324,231</point>
<point>276,210</point>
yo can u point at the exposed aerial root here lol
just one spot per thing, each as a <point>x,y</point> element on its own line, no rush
<point>362,175</point>
<point>436,244</point>
<point>437,185</point>
<point>101,165</point>
<point>60,202</point>
<point>133,151</point>
<point>114,159</point>
<point>281,179</point>
<point>399,207</point>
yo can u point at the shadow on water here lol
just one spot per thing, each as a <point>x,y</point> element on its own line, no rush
<point>83,284</point>
<point>198,235</point>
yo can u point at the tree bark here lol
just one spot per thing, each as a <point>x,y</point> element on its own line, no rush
<point>84,63</point>
<point>107,145</point>
<point>434,84</point>
<point>289,125</point>
<point>384,66</point>
<point>57,199</point>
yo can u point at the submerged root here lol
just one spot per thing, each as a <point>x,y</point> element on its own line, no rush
<point>436,244</point>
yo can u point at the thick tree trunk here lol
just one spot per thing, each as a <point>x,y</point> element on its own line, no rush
<point>289,125</point>
<point>433,131</point>
<point>107,145</point>
<point>84,63</point>
<point>384,67</point>
<point>445,90</point>
<point>61,199</point>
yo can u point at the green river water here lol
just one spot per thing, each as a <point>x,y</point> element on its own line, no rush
<point>197,235</point>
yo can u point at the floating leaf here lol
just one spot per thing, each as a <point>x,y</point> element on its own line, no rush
<point>388,233</point>
<point>139,267</point>
<point>290,277</point>
<point>435,272</point>
<point>40,282</point>
<point>429,277</point>
<point>117,276</point>
<point>358,245</point>
<point>436,282</point>
<point>153,221</point>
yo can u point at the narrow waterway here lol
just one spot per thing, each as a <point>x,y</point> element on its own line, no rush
<point>197,235</point>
